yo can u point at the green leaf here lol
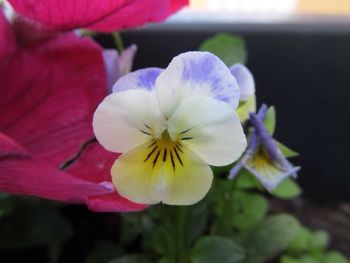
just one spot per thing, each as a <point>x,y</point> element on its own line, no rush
<point>287,189</point>
<point>334,257</point>
<point>248,208</point>
<point>302,259</point>
<point>301,241</point>
<point>6,205</point>
<point>32,225</point>
<point>245,180</point>
<point>211,249</point>
<point>289,153</point>
<point>229,48</point>
<point>103,252</point>
<point>270,120</point>
<point>269,238</point>
<point>319,240</point>
<point>164,242</point>
<point>130,259</point>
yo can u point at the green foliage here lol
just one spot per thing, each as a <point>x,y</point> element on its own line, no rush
<point>269,238</point>
<point>211,249</point>
<point>33,224</point>
<point>229,48</point>
<point>270,120</point>
<point>287,189</point>
<point>248,209</point>
<point>6,205</point>
<point>130,259</point>
<point>289,153</point>
<point>334,257</point>
<point>104,251</point>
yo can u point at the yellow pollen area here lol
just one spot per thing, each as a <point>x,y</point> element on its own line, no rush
<point>164,151</point>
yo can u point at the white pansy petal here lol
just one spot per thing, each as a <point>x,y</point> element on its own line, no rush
<point>139,79</point>
<point>195,75</point>
<point>127,119</point>
<point>151,173</point>
<point>244,79</point>
<point>211,129</point>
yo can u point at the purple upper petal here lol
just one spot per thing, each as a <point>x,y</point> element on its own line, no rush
<point>139,79</point>
<point>244,79</point>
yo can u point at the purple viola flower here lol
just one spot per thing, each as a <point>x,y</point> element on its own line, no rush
<point>263,158</point>
<point>246,83</point>
<point>118,65</point>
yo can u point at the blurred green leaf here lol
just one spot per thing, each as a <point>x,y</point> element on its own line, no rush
<point>269,238</point>
<point>248,208</point>
<point>334,257</point>
<point>319,240</point>
<point>287,189</point>
<point>103,252</point>
<point>289,153</point>
<point>302,259</point>
<point>245,180</point>
<point>301,241</point>
<point>164,242</point>
<point>6,205</point>
<point>270,120</point>
<point>32,225</point>
<point>229,48</point>
<point>211,249</point>
<point>130,259</point>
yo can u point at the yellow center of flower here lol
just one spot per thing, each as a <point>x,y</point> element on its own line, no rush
<point>164,149</point>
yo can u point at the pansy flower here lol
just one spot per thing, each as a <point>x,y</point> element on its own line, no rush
<point>170,125</point>
<point>246,83</point>
<point>263,158</point>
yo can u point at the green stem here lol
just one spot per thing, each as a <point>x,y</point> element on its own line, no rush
<point>118,41</point>
<point>181,230</point>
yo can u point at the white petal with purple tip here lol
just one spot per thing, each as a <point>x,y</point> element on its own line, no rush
<point>194,75</point>
<point>139,79</point>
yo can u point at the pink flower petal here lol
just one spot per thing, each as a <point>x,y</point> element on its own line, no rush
<point>49,93</point>
<point>21,173</point>
<point>105,16</point>
<point>7,43</point>
<point>111,203</point>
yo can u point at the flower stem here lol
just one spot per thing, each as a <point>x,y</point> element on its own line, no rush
<point>118,41</point>
<point>180,237</point>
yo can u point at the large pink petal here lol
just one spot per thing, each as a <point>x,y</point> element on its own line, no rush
<point>94,164</point>
<point>49,93</point>
<point>21,173</point>
<point>111,203</point>
<point>7,38</point>
<point>106,15</point>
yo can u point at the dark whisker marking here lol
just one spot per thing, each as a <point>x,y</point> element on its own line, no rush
<point>177,145</point>
<point>185,131</point>
<point>172,159</point>
<point>144,132</point>
<point>152,144</point>
<point>164,155</point>
<point>147,126</point>
<point>155,159</point>
<point>187,138</point>
<point>150,154</point>
<point>178,157</point>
